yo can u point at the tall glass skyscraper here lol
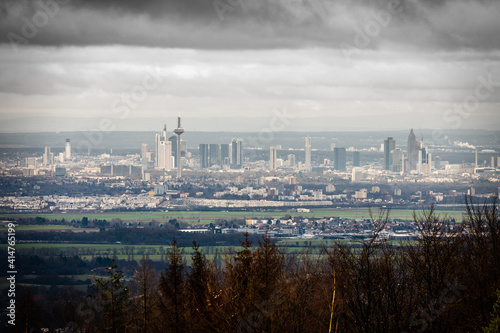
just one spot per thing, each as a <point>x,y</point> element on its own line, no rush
<point>204,155</point>
<point>272,158</point>
<point>413,148</point>
<point>173,139</point>
<point>339,156</point>
<point>356,158</point>
<point>236,153</point>
<point>225,155</point>
<point>308,153</point>
<point>214,154</point>
<point>389,146</point>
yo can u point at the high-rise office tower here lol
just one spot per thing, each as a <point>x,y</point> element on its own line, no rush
<point>234,150</point>
<point>397,160</point>
<point>67,150</point>
<point>272,158</point>
<point>178,131</point>
<point>356,159</point>
<point>165,155</point>
<point>144,163</point>
<point>144,150</point>
<point>225,155</point>
<point>425,154</point>
<point>184,148</point>
<point>236,153</point>
<point>389,146</point>
<point>308,153</point>
<point>173,139</point>
<point>413,148</point>
<point>419,161</point>
<point>47,159</point>
<point>161,137</point>
<point>291,160</point>
<point>339,157</point>
<point>214,154</point>
<point>203,147</point>
<point>404,163</point>
<point>157,148</point>
<point>424,160</point>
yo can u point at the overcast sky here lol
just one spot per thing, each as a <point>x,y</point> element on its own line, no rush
<point>232,65</point>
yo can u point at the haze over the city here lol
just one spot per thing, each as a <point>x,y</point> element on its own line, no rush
<point>231,66</point>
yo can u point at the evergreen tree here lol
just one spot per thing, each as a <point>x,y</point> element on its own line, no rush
<point>113,297</point>
<point>144,288</point>
<point>172,288</point>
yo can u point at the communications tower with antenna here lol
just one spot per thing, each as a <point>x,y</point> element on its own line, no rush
<point>178,131</point>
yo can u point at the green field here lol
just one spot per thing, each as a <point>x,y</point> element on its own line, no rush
<point>206,217</point>
<point>50,227</point>
<point>108,249</point>
<point>154,251</point>
<point>88,251</point>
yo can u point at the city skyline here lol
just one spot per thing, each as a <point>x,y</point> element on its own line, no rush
<point>342,65</point>
<point>418,158</point>
<point>314,133</point>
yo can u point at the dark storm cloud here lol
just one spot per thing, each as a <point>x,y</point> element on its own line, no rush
<point>153,8</point>
<point>255,24</point>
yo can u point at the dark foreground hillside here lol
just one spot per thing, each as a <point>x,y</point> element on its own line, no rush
<point>448,281</point>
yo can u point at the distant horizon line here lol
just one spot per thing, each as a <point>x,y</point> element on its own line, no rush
<point>255,131</point>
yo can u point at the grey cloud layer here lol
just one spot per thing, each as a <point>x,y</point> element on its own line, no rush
<point>265,54</point>
<point>258,24</point>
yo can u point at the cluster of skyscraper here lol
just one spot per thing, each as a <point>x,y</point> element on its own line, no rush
<point>226,155</point>
<point>165,156</point>
<point>168,150</point>
<point>339,157</point>
<point>230,155</point>
<point>48,157</point>
<point>417,157</point>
